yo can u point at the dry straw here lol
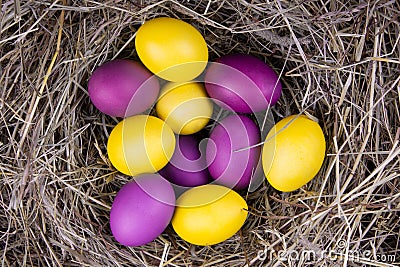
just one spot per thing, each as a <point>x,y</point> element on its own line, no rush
<point>339,61</point>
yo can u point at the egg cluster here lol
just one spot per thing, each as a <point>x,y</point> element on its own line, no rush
<point>175,81</point>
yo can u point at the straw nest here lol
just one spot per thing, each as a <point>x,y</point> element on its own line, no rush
<point>338,61</point>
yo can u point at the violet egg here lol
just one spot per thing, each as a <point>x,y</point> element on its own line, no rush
<point>187,166</point>
<point>231,154</point>
<point>142,210</point>
<point>242,83</point>
<point>122,88</point>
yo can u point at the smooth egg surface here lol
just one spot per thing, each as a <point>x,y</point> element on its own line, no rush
<point>123,88</point>
<point>209,214</point>
<point>231,153</point>
<point>242,83</point>
<point>185,107</point>
<point>187,166</point>
<point>140,144</point>
<point>293,152</point>
<point>142,210</point>
<point>172,49</point>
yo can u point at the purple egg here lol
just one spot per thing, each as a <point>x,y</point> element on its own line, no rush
<point>187,166</point>
<point>142,210</point>
<point>231,161</point>
<point>242,83</point>
<point>123,88</point>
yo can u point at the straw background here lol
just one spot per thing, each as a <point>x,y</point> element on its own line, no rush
<point>339,61</point>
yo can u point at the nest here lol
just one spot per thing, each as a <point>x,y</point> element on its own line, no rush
<point>338,61</point>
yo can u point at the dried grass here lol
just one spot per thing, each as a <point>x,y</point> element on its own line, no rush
<point>339,62</point>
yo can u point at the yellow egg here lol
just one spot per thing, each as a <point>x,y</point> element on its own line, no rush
<point>293,152</point>
<point>140,144</point>
<point>172,49</point>
<point>209,214</point>
<point>185,107</point>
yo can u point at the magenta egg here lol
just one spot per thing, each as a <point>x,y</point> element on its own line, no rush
<point>242,83</point>
<point>142,210</point>
<point>123,88</point>
<point>231,154</point>
<point>187,166</point>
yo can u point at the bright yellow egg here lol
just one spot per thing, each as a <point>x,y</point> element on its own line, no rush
<point>209,214</point>
<point>185,107</point>
<point>172,49</point>
<point>293,152</point>
<point>140,144</point>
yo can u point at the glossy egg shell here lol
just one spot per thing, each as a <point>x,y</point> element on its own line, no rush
<point>142,210</point>
<point>242,83</point>
<point>140,144</point>
<point>293,152</point>
<point>172,49</point>
<point>123,88</point>
<point>187,166</point>
<point>231,161</point>
<point>209,214</point>
<point>185,107</point>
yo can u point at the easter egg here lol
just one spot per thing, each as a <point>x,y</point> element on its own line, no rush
<point>293,152</point>
<point>123,88</point>
<point>209,214</point>
<point>187,166</point>
<point>172,49</point>
<point>231,153</point>
<point>140,144</point>
<point>142,210</point>
<point>242,83</point>
<point>185,107</point>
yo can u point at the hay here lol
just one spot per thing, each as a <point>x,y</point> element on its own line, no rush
<point>339,62</point>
